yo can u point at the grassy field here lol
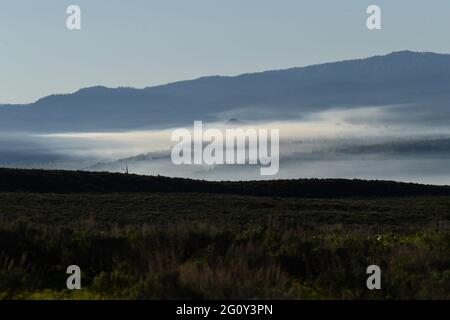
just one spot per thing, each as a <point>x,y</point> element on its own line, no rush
<point>215,246</point>
<point>131,209</point>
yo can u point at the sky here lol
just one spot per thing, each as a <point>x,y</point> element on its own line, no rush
<point>142,43</point>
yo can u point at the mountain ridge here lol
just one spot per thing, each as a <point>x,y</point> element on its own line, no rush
<point>396,78</point>
<point>312,66</point>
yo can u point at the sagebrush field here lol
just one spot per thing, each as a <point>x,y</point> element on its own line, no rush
<point>203,245</point>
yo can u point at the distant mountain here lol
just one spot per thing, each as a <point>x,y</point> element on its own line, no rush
<point>418,148</point>
<point>398,78</point>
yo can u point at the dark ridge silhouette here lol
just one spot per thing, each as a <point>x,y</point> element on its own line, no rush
<point>43,181</point>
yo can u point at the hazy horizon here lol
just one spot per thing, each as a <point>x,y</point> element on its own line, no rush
<point>150,43</point>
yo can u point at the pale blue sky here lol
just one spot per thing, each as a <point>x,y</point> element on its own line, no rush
<point>143,43</point>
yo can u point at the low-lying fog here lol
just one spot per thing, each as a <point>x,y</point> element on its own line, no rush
<point>368,143</point>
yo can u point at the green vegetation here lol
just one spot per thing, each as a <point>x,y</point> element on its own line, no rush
<point>214,246</point>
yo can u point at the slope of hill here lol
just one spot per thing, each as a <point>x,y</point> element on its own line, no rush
<point>397,78</point>
<point>12,180</point>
